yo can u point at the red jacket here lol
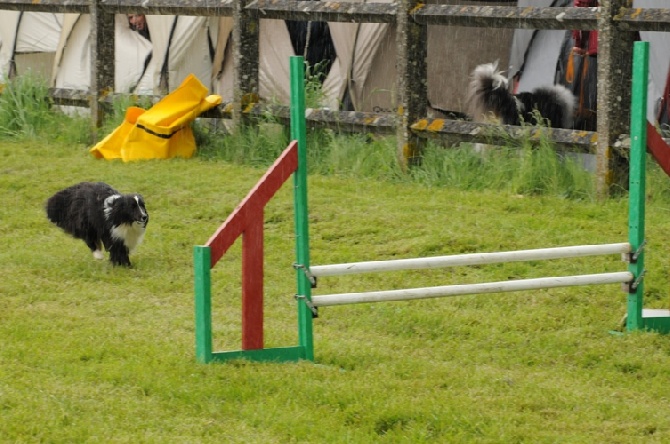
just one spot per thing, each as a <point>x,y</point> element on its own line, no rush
<point>586,40</point>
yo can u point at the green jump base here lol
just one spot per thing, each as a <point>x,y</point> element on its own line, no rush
<point>280,354</point>
<point>657,320</point>
<point>653,320</point>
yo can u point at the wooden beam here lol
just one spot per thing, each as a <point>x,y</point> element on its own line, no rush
<point>78,6</point>
<point>643,19</point>
<point>216,8</point>
<point>459,131</point>
<point>69,97</point>
<point>343,121</point>
<point>325,11</point>
<point>506,17</point>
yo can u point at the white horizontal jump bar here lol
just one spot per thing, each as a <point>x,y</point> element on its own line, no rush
<point>456,290</point>
<point>468,259</point>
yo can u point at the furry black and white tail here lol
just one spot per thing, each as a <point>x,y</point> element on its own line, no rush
<point>489,96</point>
<point>102,217</point>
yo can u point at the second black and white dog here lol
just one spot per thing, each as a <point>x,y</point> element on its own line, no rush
<point>489,96</point>
<point>102,217</point>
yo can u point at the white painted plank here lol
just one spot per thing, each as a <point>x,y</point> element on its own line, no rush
<point>456,290</point>
<point>469,259</point>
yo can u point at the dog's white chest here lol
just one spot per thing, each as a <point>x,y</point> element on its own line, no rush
<point>132,234</point>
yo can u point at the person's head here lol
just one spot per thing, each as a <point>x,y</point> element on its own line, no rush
<point>137,22</point>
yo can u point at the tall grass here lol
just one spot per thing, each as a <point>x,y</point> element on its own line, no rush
<point>329,154</point>
<point>516,168</point>
<point>24,107</point>
<point>519,167</point>
<point>26,112</point>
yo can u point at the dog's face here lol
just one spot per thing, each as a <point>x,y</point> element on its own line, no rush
<point>127,209</point>
<point>139,211</point>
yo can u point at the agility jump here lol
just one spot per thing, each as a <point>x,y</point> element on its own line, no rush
<point>247,221</point>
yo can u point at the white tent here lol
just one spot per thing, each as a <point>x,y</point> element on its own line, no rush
<point>274,51</point>
<point>534,52</point>
<point>72,64</point>
<point>28,42</point>
<point>182,45</point>
<point>179,46</point>
<point>369,59</point>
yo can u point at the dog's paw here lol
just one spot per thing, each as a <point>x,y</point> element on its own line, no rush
<point>98,255</point>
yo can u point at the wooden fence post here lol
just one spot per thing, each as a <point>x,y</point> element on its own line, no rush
<point>412,80</point>
<point>102,63</point>
<point>615,66</point>
<point>246,30</point>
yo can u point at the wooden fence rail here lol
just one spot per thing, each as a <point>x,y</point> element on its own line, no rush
<point>616,20</point>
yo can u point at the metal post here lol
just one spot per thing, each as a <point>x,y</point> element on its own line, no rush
<point>203,304</point>
<point>299,133</point>
<point>636,198</point>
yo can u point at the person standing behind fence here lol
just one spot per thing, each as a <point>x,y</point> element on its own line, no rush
<point>579,72</point>
<point>586,42</point>
<point>138,22</point>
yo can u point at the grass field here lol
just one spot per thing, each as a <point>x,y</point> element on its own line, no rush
<point>91,353</point>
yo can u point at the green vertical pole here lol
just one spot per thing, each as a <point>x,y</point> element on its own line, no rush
<point>299,133</point>
<point>203,304</point>
<point>636,191</point>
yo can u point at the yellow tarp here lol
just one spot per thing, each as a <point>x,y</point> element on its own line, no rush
<point>161,132</point>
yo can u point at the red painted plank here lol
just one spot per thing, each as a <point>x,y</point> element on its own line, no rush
<point>252,284</point>
<point>658,148</point>
<point>254,202</point>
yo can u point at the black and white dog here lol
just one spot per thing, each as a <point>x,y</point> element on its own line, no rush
<point>102,217</point>
<point>489,96</point>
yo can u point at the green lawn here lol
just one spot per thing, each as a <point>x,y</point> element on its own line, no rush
<point>91,353</point>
